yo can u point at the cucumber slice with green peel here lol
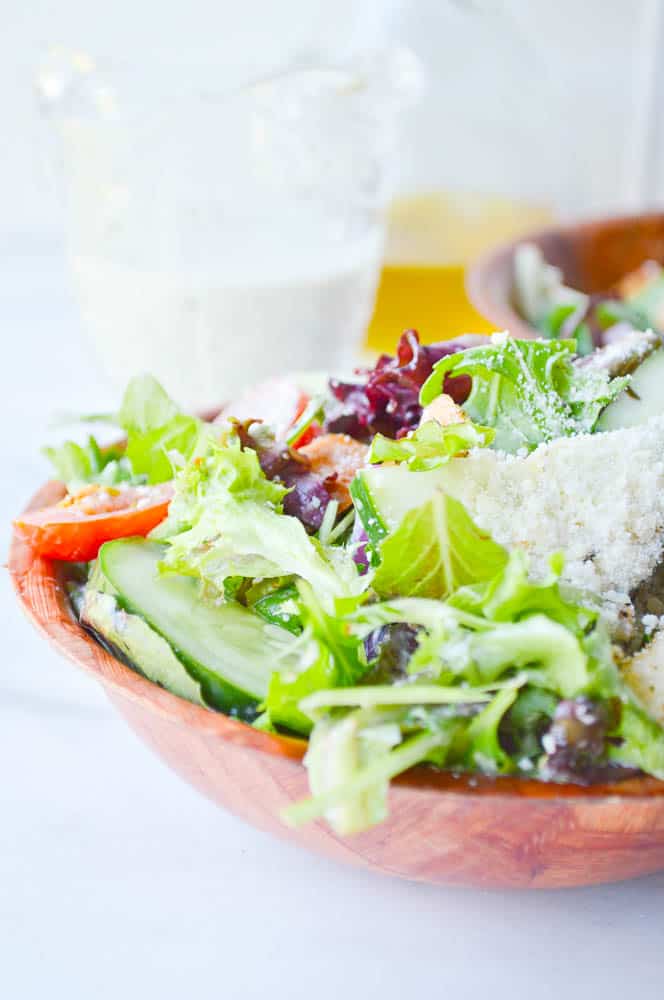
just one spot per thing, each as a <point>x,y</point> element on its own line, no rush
<point>642,399</point>
<point>133,638</point>
<point>229,651</point>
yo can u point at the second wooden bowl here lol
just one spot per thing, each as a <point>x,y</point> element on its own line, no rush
<point>441,829</point>
<point>592,256</point>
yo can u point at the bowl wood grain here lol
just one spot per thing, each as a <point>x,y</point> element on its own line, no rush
<point>441,829</point>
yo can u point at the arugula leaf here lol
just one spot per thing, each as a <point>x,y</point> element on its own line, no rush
<point>431,445</point>
<point>436,549</point>
<point>77,465</point>
<point>527,390</point>
<point>279,607</point>
<point>332,656</point>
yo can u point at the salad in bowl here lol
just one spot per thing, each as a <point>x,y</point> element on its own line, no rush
<point>453,559</point>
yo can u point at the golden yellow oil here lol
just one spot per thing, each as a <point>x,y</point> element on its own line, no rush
<point>431,239</point>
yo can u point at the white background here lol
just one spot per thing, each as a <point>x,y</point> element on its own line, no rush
<point>117,880</point>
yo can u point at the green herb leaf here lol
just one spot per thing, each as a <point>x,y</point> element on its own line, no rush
<point>431,445</point>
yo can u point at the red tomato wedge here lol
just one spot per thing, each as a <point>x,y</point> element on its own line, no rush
<point>74,529</point>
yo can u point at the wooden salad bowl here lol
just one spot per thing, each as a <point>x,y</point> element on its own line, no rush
<point>592,255</point>
<point>441,828</point>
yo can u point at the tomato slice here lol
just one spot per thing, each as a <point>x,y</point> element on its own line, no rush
<point>74,529</point>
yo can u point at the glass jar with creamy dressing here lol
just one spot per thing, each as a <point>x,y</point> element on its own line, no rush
<point>217,238</point>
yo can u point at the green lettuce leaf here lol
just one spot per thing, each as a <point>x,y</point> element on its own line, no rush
<point>511,596</point>
<point>159,437</point>
<point>431,445</point>
<point>350,761</point>
<point>436,549</point>
<point>78,465</point>
<point>145,405</point>
<point>527,390</point>
<point>641,741</point>
<point>159,440</point>
<point>225,520</point>
<point>155,453</point>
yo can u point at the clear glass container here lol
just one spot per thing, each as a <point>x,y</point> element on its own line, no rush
<point>217,238</point>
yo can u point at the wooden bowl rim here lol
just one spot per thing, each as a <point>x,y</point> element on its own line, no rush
<point>478,278</point>
<point>37,583</point>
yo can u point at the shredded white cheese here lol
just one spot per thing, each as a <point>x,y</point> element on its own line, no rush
<point>597,498</point>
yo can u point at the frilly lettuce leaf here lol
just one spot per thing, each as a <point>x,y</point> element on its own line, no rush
<point>527,390</point>
<point>225,520</point>
<point>431,445</point>
<point>436,549</point>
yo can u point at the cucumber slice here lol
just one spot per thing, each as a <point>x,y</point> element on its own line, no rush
<point>227,649</point>
<point>383,494</point>
<point>133,638</point>
<point>641,400</point>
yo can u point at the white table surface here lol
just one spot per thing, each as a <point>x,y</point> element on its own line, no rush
<point>118,880</point>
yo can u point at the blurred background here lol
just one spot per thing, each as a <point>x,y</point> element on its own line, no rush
<point>222,188</point>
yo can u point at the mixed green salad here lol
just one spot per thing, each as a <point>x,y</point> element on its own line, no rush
<point>309,568</point>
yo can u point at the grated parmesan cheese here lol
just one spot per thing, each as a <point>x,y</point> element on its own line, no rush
<point>597,498</point>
